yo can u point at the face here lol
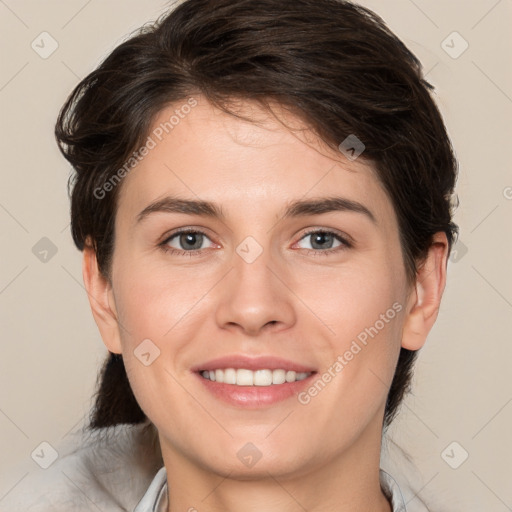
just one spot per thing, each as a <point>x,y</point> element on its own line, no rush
<point>263,280</point>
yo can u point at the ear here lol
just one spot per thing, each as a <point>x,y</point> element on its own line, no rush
<point>426,297</point>
<point>101,299</point>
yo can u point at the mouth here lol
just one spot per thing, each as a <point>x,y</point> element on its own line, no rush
<point>246,377</point>
<point>253,383</point>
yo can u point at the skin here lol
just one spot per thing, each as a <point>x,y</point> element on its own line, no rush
<point>294,301</point>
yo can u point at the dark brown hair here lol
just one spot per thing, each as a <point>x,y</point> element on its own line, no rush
<point>334,64</point>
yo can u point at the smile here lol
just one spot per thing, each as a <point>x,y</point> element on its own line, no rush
<point>245,377</point>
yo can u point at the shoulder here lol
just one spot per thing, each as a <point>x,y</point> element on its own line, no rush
<point>108,469</point>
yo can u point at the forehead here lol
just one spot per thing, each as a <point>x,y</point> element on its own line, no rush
<point>204,153</point>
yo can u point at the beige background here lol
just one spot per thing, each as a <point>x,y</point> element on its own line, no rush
<point>51,349</point>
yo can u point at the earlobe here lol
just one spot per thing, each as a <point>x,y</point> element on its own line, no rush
<point>429,287</point>
<point>101,299</point>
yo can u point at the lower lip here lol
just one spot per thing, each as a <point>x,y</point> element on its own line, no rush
<point>254,397</point>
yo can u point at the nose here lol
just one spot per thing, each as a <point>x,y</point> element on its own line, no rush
<point>255,297</point>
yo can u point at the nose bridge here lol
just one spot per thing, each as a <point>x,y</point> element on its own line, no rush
<point>253,264</point>
<point>254,295</point>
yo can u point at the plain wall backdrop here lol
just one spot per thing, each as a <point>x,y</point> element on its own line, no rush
<point>51,350</point>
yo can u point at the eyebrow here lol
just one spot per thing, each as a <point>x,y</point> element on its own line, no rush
<point>297,208</point>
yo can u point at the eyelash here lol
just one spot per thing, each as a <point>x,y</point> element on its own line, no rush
<point>197,252</point>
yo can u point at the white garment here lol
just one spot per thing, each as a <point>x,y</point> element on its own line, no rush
<point>117,469</point>
<point>107,470</point>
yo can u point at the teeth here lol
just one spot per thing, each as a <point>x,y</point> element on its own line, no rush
<point>278,377</point>
<point>263,377</point>
<point>290,376</point>
<point>243,377</point>
<point>229,376</point>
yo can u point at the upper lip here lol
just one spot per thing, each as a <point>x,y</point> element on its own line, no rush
<point>252,363</point>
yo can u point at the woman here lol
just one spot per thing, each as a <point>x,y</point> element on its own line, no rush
<point>262,198</point>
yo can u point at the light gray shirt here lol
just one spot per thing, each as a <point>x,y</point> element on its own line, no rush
<point>118,469</point>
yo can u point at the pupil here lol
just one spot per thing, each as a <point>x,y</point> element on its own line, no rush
<point>319,237</point>
<point>189,238</point>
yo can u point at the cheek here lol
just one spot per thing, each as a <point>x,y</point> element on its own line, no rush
<point>156,306</point>
<point>370,326</point>
<point>364,310</point>
<point>351,299</point>
<point>153,300</point>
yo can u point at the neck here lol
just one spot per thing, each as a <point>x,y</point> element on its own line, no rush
<point>346,482</point>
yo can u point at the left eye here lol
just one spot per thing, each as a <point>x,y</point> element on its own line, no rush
<point>323,240</point>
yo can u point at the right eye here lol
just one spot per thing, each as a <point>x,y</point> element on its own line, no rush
<point>189,241</point>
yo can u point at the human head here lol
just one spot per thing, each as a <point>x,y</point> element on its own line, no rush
<point>333,64</point>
